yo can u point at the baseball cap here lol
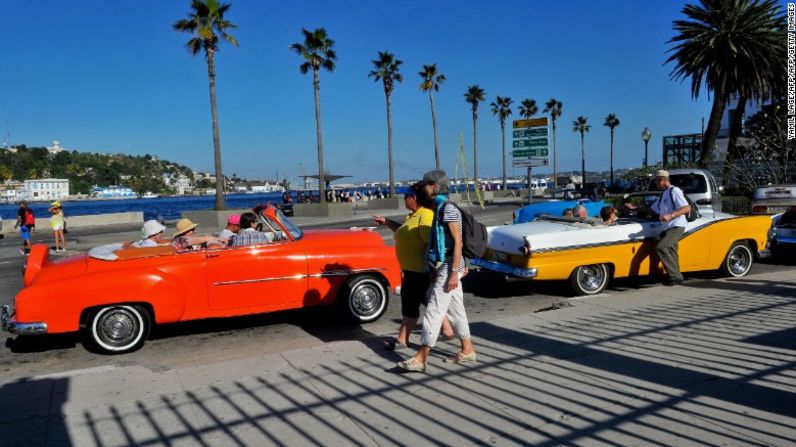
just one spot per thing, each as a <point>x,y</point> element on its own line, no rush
<point>233,219</point>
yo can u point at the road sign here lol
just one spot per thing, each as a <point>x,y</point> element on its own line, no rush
<point>530,142</point>
<point>527,133</point>
<point>534,152</point>
<point>534,122</point>
<point>530,162</point>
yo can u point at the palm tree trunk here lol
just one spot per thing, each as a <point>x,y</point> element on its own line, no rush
<point>316,83</point>
<point>714,124</point>
<point>611,185</point>
<point>736,126</point>
<point>434,123</point>
<point>555,157</point>
<point>503,133</point>
<point>211,73</point>
<point>389,146</point>
<point>475,148</point>
<point>582,160</point>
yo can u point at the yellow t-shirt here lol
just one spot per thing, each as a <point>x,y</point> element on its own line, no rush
<point>411,240</point>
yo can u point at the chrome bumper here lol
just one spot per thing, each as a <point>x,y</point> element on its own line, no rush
<point>507,269</point>
<point>764,253</point>
<point>10,324</point>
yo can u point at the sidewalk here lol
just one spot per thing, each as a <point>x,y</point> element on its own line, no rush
<point>708,363</point>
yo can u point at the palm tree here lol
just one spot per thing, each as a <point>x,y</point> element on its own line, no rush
<point>502,108</point>
<point>734,47</point>
<point>208,26</point>
<point>581,125</point>
<point>528,108</point>
<point>555,108</point>
<point>431,82</point>
<point>387,69</point>
<point>611,121</point>
<point>474,95</point>
<point>317,52</point>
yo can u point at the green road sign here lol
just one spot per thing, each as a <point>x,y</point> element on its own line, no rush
<point>527,133</point>
<point>530,142</point>
<point>535,152</point>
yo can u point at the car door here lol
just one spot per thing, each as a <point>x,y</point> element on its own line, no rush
<point>260,277</point>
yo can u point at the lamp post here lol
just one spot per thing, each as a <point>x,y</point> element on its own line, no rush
<point>646,135</point>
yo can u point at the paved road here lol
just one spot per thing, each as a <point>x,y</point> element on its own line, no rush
<point>487,297</point>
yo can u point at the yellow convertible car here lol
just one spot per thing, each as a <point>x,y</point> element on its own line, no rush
<point>590,254</point>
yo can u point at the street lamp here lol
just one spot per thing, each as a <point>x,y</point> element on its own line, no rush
<point>646,135</point>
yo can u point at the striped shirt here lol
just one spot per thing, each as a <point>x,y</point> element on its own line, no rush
<point>451,214</point>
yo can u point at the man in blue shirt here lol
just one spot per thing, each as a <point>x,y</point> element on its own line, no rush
<point>672,207</point>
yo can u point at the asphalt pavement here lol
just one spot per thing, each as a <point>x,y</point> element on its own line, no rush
<point>712,362</point>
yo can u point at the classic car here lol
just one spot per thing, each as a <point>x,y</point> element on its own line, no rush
<point>530,212</point>
<point>589,254</point>
<point>774,199</point>
<point>783,233</point>
<point>115,296</point>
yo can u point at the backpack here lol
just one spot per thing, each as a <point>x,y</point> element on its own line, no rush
<point>474,235</point>
<point>30,219</point>
<point>693,214</point>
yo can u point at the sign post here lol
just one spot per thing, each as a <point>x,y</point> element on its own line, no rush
<point>530,146</point>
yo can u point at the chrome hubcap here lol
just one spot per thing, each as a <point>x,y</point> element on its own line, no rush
<point>366,299</point>
<point>118,327</point>
<point>739,261</point>
<point>591,277</point>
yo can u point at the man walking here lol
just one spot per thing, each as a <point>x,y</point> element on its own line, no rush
<point>672,207</point>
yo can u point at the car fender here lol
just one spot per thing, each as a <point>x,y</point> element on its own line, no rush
<point>60,304</point>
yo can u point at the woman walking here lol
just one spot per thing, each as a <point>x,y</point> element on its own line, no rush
<point>57,223</point>
<point>445,296</point>
<point>411,240</point>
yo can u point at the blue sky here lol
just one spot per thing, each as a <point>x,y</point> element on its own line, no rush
<point>111,76</point>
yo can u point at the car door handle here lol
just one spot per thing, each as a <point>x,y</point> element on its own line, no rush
<point>213,255</point>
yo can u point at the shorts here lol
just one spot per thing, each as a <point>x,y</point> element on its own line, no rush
<point>413,293</point>
<point>58,227</point>
<point>24,231</point>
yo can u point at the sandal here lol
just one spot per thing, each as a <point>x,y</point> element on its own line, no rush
<point>462,358</point>
<point>412,365</point>
<point>394,345</point>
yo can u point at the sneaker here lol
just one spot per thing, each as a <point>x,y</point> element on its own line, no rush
<point>22,252</point>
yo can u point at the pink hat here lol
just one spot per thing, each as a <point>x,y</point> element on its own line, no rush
<point>233,219</point>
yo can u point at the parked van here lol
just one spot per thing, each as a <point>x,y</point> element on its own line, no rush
<point>700,186</point>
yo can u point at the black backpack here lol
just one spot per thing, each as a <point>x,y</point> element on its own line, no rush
<point>474,235</point>
<point>694,213</point>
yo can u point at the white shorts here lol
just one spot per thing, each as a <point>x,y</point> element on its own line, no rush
<point>58,227</point>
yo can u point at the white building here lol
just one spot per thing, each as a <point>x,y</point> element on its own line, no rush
<point>56,147</point>
<point>181,183</point>
<point>45,189</point>
<point>11,191</point>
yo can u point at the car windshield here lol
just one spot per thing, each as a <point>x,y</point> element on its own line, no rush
<point>294,231</point>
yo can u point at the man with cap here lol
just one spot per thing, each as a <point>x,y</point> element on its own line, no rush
<point>672,207</point>
<point>152,235</point>
<point>232,228</point>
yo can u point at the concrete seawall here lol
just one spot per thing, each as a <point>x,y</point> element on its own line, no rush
<point>92,220</point>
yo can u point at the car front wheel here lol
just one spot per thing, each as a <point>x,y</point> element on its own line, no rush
<point>589,279</point>
<point>118,329</point>
<point>364,298</point>
<point>738,261</point>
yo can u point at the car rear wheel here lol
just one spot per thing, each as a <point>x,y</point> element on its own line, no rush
<point>738,261</point>
<point>589,279</point>
<point>118,329</point>
<point>364,298</point>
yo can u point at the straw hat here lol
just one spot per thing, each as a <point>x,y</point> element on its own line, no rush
<point>184,226</point>
<point>151,228</point>
<point>56,204</point>
<point>662,173</point>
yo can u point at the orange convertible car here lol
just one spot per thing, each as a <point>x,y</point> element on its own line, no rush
<point>115,296</point>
